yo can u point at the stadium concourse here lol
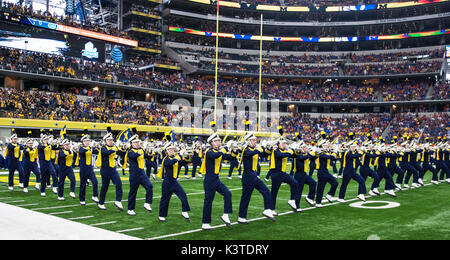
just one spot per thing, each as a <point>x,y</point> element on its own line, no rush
<point>99,98</point>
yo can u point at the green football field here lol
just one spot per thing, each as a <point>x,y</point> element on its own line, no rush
<point>422,213</point>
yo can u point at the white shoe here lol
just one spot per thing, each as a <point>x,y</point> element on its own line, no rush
<point>207,227</point>
<point>329,198</point>
<point>406,186</point>
<point>95,199</point>
<point>11,188</point>
<point>335,175</point>
<point>230,178</point>
<point>310,202</point>
<point>420,181</point>
<point>292,204</point>
<point>55,190</point>
<point>361,197</point>
<point>448,180</point>
<point>266,180</point>
<point>49,186</point>
<point>268,214</point>
<point>319,206</point>
<point>193,178</point>
<point>376,191</point>
<point>226,220</point>
<point>43,194</point>
<point>390,192</point>
<point>415,185</point>
<point>102,207</point>
<point>299,210</point>
<point>61,198</point>
<point>341,200</point>
<point>72,195</point>
<point>37,187</point>
<point>242,221</point>
<point>240,176</point>
<point>119,205</point>
<point>131,213</point>
<point>274,213</point>
<point>186,216</point>
<point>25,190</point>
<point>154,176</point>
<point>200,176</point>
<point>21,185</point>
<point>148,207</point>
<point>434,182</point>
<point>161,219</point>
<point>371,193</point>
<point>83,203</point>
<point>398,186</point>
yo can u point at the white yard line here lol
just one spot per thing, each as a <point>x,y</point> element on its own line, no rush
<point>78,218</point>
<point>15,201</point>
<point>27,205</point>
<point>129,230</point>
<point>60,213</point>
<point>104,223</point>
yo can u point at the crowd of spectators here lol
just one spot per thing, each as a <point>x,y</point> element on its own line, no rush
<point>19,60</point>
<point>432,125</point>
<point>67,107</point>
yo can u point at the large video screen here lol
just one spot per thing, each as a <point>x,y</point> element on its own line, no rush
<point>41,40</point>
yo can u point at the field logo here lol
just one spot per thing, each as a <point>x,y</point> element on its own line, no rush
<point>388,205</point>
<point>90,51</point>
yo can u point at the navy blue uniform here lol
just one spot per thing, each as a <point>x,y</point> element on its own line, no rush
<point>30,165</point>
<point>65,162</point>
<point>212,184</point>
<point>426,165</point>
<point>322,163</point>
<point>151,163</point>
<point>300,168</point>
<point>350,163</point>
<point>383,171</point>
<point>135,158</point>
<point>365,171</point>
<point>278,163</point>
<point>84,160</point>
<point>250,180</point>
<point>170,185</point>
<point>109,172</point>
<point>15,162</point>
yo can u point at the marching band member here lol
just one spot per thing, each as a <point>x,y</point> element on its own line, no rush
<point>197,158</point>
<point>441,164</point>
<point>409,167</point>
<point>135,157</point>
<point>151,161</point>
<point>107,163</point>
<point>250,181</point>
<point>349,160</point>
<point>302,160</point>
<point>84,160</point>
<point>233,159</point>
<point>211,168</point>
<point>278,162</point>
<point>426,159</point>
<point>393,167</point>
<point>46,168</point>
<point>30,156</point>
<point>383,172</point>
<point>15,160</point>
<point>65,162</point>
<point>54,168</point>
<point>324,157</point>
<point>169,173</point>
<point>365,171</point>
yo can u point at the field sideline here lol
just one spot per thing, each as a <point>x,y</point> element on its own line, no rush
<point>423,214</point>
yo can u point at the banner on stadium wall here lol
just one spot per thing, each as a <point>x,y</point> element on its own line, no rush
<point>310,39</point>
<point>48,124</point>
<point>317,8</point>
